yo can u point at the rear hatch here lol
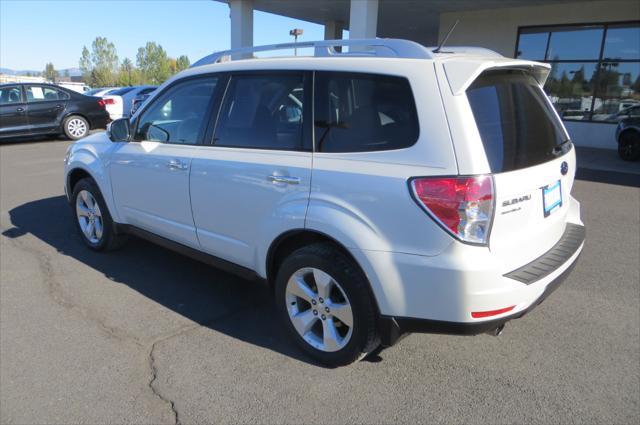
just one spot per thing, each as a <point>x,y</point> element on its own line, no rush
<point>531,159</point>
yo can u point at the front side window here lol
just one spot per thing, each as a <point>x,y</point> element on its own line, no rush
<point>262,112</point>
<point>10,95</point>
<point>357,112</point>
<point>179,115</point>
<point>44,94</point>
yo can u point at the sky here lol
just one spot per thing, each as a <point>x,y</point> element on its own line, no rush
<point>33,33</point>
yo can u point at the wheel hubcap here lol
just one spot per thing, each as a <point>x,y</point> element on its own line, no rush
<point>319,309</point>
<point>89,216</point>
<point>77,127</point>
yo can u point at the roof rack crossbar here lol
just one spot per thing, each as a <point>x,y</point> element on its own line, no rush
<point>379,47</point>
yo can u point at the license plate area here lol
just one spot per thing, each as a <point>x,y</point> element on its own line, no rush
<point>551,198</point>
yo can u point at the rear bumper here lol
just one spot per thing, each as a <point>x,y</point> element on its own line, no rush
<point>565,254</point>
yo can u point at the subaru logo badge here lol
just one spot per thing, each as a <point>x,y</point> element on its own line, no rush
<point>564,168</point>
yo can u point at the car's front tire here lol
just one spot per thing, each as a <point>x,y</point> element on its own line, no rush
<point>75,127</point>
<point>324,302</point>
<point>92,218</point>
<point>629,146</point>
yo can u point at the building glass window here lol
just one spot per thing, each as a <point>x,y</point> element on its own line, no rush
<point>595,74</point>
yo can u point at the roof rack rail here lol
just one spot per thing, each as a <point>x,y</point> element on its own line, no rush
<point>376,47</point>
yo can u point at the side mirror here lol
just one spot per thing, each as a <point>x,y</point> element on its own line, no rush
<point>118,130</point>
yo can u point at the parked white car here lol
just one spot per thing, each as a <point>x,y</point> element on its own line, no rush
<point>379,194</point>
<point>119,102</point>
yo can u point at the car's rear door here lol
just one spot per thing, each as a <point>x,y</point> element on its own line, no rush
<point>532,162</point>
<point>13,112</point>
<point>150,174</point>
<point>46,107</point>
<point>252,183</point>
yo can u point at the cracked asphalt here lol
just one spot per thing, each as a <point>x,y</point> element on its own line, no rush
<point>145,336</point>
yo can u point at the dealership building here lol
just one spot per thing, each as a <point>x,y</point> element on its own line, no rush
<point>592,46</point>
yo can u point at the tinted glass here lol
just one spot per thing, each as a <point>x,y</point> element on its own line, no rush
<point>622,43</point>
<point>44,94</point>
<point>532,46</point>
<point>120,92</point>
<point>570,88</point>
<point>262,111</point>
<point>617,88</point>
<point>574,44</point>
<point>178,115</point>
<point>9,95</point>
<point>363,112</point>
<point>517,125</point>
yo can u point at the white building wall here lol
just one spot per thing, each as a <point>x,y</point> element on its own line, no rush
<point>497,29</point>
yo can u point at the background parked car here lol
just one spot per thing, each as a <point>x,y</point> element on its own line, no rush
<point>41,109</point>
<point>138,101</point>
<point>100,91</point>
<point>119,102</point>
<point>628,137</point>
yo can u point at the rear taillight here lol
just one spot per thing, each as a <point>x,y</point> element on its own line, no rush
<point>462,205</point>
<point>104,102</point>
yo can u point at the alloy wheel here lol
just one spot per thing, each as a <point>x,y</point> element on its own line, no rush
<point>319,309</point>
<point>77,127</point>
<point>89,216</point>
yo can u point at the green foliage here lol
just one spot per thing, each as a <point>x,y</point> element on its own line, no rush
<point>182,63</point>
<point>50,73</point>
<point>100,66</point>
<point>152,60</point>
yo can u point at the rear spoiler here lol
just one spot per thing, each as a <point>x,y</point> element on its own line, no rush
<point>462,73</point>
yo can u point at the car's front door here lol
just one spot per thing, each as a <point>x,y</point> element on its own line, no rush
<point>252,182</point>
<point>46,106</point>
<point>13,112</point>
<point>150,174</point>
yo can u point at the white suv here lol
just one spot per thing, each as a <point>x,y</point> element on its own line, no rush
<point>382,191</point>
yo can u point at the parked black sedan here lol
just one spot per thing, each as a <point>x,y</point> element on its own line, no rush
<point>28,109</point>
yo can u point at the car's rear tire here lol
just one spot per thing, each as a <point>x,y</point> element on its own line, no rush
<point>629,146</point>
<point>324,301</point>
<point>92,218</point>
<point>75,127</point>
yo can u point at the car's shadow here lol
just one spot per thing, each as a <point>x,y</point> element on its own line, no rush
<point>239,308</point>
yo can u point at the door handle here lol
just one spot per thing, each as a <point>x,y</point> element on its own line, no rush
<point>175,164</point>
<point>283,179</point>
<point>58,106</point>
<point>19,109</point>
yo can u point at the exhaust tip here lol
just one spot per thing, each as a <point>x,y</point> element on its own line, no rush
<point>497,331</point>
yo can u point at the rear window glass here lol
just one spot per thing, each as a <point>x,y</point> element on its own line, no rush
<point>517,125</point>
<point>120,92</point>
<point>357,112</point>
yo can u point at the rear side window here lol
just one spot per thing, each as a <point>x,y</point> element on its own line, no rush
<point>517,125</point>
<point>357,112</point>
<point>263,112</point>
<point>43,94</point>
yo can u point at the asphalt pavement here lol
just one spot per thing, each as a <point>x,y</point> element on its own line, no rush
<point>144,335</point>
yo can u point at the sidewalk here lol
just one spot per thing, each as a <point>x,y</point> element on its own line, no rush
<point>605,160</point>
<point>605,166</point>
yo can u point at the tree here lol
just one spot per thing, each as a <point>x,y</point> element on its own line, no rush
<point>128,75</point>
<point>182,63</point>
<point>66,73</point>
<point>100,65</point>
<point>50,73</point>
<point>153,63</point>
